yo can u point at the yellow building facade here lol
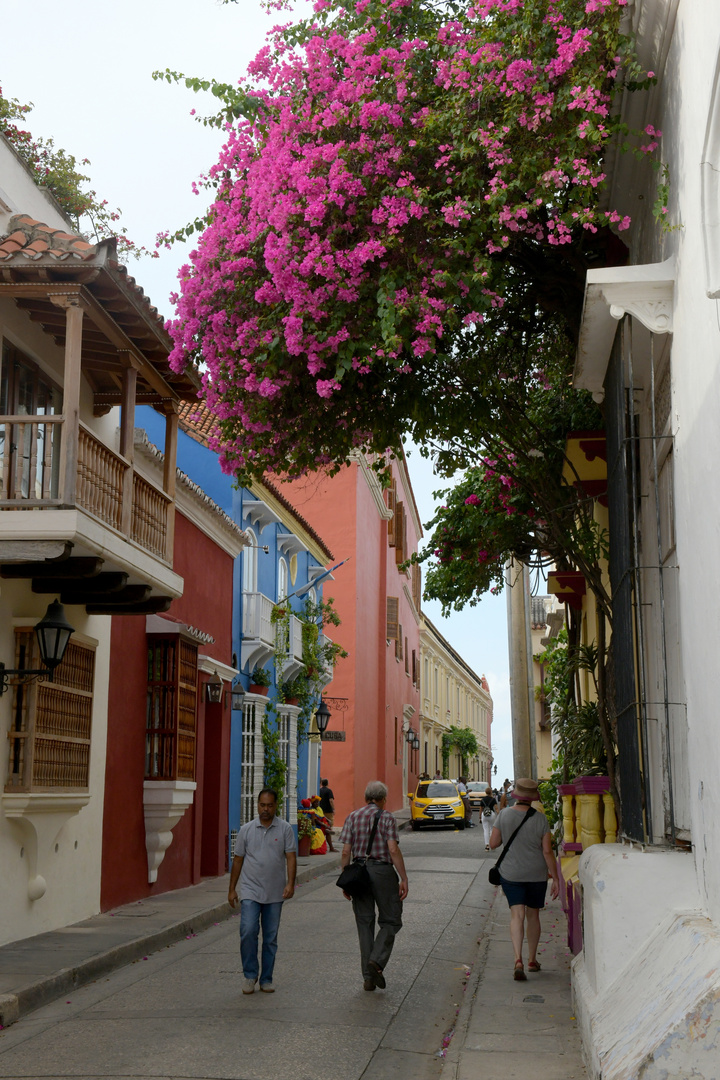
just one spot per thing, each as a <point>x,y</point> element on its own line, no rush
<point>451,694</point>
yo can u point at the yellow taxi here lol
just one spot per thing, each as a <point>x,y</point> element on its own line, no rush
<point>436,802</point>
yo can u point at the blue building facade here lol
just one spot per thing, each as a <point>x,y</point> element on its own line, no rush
<point>277,589</point>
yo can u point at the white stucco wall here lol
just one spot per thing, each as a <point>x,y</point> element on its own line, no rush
<point>696,404</point>
<point>646,985</point>
<point>19,195</point>
<point>72,873</point>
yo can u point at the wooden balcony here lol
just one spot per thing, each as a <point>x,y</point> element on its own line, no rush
<point>105,484</point>
<point>73,507</point>
<point>108,542</point>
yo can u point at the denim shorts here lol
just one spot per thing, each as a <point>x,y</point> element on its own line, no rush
<point>529,893</point>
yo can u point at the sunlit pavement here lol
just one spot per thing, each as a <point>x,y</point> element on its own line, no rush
<point>450,1009</point>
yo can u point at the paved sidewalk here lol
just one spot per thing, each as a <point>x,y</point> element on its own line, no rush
<point>514,1029</point>
<point>36,970</point>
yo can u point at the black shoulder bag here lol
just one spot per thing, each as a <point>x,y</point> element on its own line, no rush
<point>494,871</point>
<point>354,879</point>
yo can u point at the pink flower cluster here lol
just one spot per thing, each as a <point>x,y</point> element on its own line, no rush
<point>356,231</point>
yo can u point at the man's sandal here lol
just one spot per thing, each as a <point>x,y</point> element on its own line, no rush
<point>519,972</point>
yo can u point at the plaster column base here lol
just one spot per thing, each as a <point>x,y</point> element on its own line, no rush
<point>164,803</point>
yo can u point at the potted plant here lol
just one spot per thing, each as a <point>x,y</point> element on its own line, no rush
<point>305,833</point>
<point>259,681</point>
<point>291,691</point>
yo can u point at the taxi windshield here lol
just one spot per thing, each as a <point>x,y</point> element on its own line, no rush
<point>437,789</point>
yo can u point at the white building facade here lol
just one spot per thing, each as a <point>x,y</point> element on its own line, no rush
<point>647,982</point>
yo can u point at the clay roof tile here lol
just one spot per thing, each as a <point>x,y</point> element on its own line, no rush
<point>18,237</point>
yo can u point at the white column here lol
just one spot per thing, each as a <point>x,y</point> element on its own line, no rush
<point>291,784</point>
<point>259,762</point>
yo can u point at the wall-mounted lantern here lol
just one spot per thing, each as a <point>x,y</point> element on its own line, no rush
<point>237,695</point>
<point>53,634</point>
<point>322,716</point>
<point>214,687</point>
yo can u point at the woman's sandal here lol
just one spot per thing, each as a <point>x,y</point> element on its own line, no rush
<point>533,965</point>
<point>519,972</point>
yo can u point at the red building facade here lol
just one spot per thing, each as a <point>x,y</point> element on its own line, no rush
<point>168,745</point>
<point>374,694</point>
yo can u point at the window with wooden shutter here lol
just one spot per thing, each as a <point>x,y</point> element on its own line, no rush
<point>407,658</point>
<point>416,585</point>
<point>399,643</point>
<point>414,669</point>
<point>171,719</point>
<point>393,614</point>
<point>399,532</point>
<point>52,721</point>
<point>391,495</point>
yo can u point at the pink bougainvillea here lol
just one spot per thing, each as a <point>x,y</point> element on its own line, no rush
<point>389,172</point>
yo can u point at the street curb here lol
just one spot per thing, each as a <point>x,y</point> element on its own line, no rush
<point>34,995</point>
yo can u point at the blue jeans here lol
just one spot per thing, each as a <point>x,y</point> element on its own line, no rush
<point>252,913</point>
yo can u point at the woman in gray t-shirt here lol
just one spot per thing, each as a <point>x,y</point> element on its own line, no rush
<point>525,870</point>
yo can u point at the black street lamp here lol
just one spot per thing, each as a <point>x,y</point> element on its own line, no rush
<point>53,634</point>
<point>410,736</point>
<point>237,696</point>
<point>322,716</point>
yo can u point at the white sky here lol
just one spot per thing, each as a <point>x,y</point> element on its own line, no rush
<point>87,65</point>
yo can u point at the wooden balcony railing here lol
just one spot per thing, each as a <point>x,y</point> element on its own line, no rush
<point>149,516</point>
<point>100,479</point>
<point>105,483</point>
<point>30,456</point>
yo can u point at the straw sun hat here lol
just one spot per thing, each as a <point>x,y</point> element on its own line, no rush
<point>526,790</point>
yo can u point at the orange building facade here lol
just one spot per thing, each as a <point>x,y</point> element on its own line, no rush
<point>374,695</point>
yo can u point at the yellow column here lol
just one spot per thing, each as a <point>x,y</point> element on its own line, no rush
<point>590,820</point>
<point>568,819</point>
<point>609,819</point>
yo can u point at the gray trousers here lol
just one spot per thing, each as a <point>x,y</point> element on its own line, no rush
<point>385,897</point>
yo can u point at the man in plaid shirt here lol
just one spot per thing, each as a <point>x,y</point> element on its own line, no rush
<point>384,865</point>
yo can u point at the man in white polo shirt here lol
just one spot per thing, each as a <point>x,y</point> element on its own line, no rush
<point>266,863</point>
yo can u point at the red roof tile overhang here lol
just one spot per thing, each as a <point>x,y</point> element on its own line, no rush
<point>121,327</point>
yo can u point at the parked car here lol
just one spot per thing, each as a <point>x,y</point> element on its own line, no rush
<point>436,802</point>
<point>475,790</point>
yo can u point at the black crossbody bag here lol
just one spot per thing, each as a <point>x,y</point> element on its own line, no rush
<point>354,879</point>
<point>494,871</point>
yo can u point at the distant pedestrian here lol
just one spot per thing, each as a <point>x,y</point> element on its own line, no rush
<point>384,865</point>
<point>266,863</point>
<point>461,785</point>
<point>506,796</point>
<point>438,775</point>
<point>525,871</point>
<point>327,801</point>
<point>488,813</point>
